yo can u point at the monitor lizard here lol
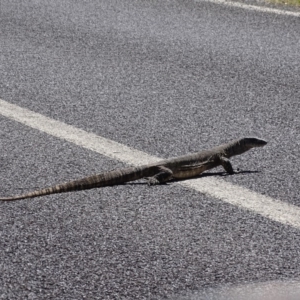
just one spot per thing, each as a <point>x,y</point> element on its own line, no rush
<point>177,168</point>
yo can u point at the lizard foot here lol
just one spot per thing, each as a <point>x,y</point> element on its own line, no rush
<point>152,181</point>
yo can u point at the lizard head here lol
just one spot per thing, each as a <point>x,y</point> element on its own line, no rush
<point>251,142</point>
<point>242,145</point>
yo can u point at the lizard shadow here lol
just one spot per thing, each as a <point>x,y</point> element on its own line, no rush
<point>241,172</point>
<point>208,174</point>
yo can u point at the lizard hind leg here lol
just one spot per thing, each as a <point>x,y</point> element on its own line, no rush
<point>164,174</point>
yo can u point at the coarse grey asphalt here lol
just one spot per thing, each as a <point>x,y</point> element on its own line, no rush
<point>167,78</point>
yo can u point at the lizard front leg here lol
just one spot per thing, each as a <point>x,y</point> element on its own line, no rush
<point>226,164</point>
<point>164,174</point>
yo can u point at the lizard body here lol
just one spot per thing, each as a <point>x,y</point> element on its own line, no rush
<point>181,167</point>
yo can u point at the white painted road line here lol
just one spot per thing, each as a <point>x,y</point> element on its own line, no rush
<point>266,206</point>
<point>254,7</point>
<point>74,135</point>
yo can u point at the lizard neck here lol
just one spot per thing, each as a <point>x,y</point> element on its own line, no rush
<point>236,147</point>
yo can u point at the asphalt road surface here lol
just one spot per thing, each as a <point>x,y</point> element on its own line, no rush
<point>166,78</point>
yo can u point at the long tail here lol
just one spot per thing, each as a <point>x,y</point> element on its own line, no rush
<point>101,180</point>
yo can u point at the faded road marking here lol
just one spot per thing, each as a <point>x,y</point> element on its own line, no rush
<point>254,7</point>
